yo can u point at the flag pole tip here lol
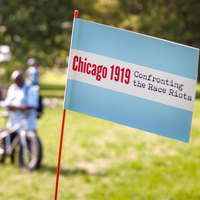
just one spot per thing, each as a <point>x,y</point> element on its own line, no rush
<point>75,13</point>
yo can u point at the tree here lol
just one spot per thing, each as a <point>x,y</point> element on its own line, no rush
<point>40,29</point>
<point>176,20</point>
<point>43,28</point>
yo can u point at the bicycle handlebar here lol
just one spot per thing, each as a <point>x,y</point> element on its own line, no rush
<point>13,129</point>
<point>5,113</point>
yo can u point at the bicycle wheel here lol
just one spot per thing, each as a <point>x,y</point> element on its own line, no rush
<point>2,149</point>
<point>30,157</point>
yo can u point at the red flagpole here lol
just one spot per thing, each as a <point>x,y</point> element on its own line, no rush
<point>75,13</point>
<point>61,139</point>
<point>59,155</point>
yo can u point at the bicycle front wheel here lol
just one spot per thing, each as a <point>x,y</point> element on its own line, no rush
<point>2,148</point>
<point>30,154</point>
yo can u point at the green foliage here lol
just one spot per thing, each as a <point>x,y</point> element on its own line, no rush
<point>42,29</point>
<point>36,28</point>
<point>173,20</point>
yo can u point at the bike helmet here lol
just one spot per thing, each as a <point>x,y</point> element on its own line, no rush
<point>32,61</point>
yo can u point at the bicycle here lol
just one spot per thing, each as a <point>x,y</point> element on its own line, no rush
<point>27,144</point>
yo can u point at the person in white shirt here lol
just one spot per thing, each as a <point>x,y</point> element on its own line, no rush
<point>22,101</point>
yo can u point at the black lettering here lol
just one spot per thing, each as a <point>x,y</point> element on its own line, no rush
<point>136,73</point>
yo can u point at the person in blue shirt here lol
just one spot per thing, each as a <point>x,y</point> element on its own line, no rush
<point>33,71</point>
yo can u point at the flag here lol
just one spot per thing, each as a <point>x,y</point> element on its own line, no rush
<point>131,79</point>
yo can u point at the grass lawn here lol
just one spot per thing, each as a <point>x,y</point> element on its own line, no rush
<point>102,160</point>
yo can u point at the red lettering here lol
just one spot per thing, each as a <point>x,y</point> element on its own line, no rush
<point>94,70</point>
<point>104,73</point>
<point>87,69</point>
<point>84,65</point>
<point>121,74</point>
<point>80,65</point>
<point>99,68</point>
<point>74,67</point>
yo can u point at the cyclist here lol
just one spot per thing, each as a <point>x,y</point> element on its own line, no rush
<point>21,100</point>
<point>33,71</point>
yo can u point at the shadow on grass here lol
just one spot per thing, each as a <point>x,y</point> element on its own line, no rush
<point>69,172</point>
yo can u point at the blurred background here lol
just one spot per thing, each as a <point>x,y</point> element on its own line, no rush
<point>100,159</point>
<point>42,28</point>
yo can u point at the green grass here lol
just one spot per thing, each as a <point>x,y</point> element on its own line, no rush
<point>106,161</point>
<point>53,85</point>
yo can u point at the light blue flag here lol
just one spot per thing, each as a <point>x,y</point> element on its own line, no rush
<point>132,79</point>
